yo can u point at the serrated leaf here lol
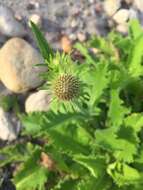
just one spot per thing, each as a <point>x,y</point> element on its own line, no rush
<point>135,120</point>
<point>135,28</point>
<point>91,183</point>
<point>135,59</point>
<point>123,174</point>
<point>96,165</point>
<point>99,82</point>
<point>31,175</point>
<point>44,47</point>
<point>116,111</point>
<point>70,139</point>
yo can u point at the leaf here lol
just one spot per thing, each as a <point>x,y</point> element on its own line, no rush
<point>135,59</point>
<point>44,47</point>
<point>99,82</point>
<point>70,139</point>
<point>109,140</point>
<point>135,120</point>
<point>32,175</point>
<point>135,28</point>
<point>116,111</point>
<point>123,174</point>
<point>91,183</point>
<point>96,165</point>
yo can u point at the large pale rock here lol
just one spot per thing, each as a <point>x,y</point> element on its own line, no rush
<point>121,16</point>
<point>139,4</point>
<point>9,26</point>
<point>38,101</point>
<point>111,6</point>
<point>17,65</point>
<point>7,131</point>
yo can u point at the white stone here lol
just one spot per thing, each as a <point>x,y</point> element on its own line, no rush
<point>111,6</point>
<point>133,14</point>
<point>38,101</point>
<point>121,16</point>
<point>36,19</point>
<point>9,26</point>
<point>17,66</point>
<point>7,131</point>
<point>81,37</point>
<point>122,28</point>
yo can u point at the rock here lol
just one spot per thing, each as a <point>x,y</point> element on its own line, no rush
<point>81,37</point>
<point>129,1</point>
<point>38,101</point>
<point>7,131</point>
<point>111,6</point>
<point>36,19</point>
<point>122,28</point>
<point>133,14</point>
<point>121,16</point>
<point>17,62</point>
<point>66,44</point>
<point>139,4</point>
<point>9,26</point>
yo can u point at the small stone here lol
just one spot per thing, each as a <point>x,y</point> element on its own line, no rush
<point>139,4</point>
<point>9,26</point>
<point>72,37</point>
<point>133,14</point>
<point>66,44</point>
<point>129,2</point>
<point>111,6</point>
<point>81,37</point>
<point>121,16</point>
<point>122,28</point>
<point>7,131</point>
<point>38,101</point>
<point>36,19</point>
<point>17,62</point>
<point>74,23</point>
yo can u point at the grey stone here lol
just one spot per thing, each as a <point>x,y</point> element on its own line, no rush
<point>9,26</point>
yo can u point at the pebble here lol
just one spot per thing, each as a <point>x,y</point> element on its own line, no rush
<point>74,23</point>
<point>121,16</point>
<point>122,28</point>
<point>9,26</point>
<point>17,62</point>
<point>111,6</point>
<point>81,37</point>
<point>36,19</point>
<point>7,131</point>
<point>38,101</point>
<point>133,14</point>
<point>129,2</point>
<point>66,44</point>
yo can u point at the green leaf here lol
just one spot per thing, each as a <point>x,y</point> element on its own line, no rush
<point>70,139</point>
<point>116,111</point>
<point>135,28</point>
<point>96,165</point>
<point>135,59</point>
<point>135,120</point>
<point>31,175</point>
<point>44,47</point>
<point>91,183</point>
<point>123,174</point>
<point>99,82</point>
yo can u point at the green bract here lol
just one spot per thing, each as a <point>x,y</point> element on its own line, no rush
<point>93,131</point>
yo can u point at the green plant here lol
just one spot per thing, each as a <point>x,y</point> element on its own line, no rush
<point>92,136</point>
